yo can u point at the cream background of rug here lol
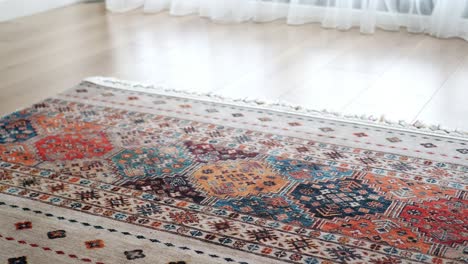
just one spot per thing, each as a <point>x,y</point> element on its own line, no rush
<point>115,243</point>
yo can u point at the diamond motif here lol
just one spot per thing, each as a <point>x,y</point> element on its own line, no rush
<point>56,234</point>
<point>335,155</point>
<point>134,254</point>
<point>94,244</point>
<point>463,151</point>
<point>262,235</point>
<point>19,260</point>
<point>326,129</point>
<point>23,225</point>
<point>302,149</point>
<point>360,134</point>
<point>428,145</point>
<point>343,254</point>
<point>394,139</point>
<point>295,124</point>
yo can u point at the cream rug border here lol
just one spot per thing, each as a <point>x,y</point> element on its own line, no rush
<point>280,106</point>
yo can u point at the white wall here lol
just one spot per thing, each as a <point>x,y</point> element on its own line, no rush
<point>10,9</point>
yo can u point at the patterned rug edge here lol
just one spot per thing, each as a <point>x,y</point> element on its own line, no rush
<point>116,122</point>
<point>281,106</point>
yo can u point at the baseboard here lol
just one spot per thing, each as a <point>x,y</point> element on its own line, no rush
<point>11,9</point>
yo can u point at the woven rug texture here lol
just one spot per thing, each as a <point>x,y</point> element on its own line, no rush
<point>112,172</point>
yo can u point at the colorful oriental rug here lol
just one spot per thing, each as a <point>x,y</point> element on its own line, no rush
<point>114,172</point>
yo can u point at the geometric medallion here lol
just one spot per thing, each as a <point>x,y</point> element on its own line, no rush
<point>440,220</point>
<point>301,170</point>
<point>276,208</point>
<point>171,186</point>
<point>60,124</point>
<point>339,198</point>
<point>207,153</point>
<point>18,153</point>
<point>16,131</point>
<point>151,162</point>
<point>403,189</point>
<point>73,146</point>
<point>238,178</point>
<point>378,229</point>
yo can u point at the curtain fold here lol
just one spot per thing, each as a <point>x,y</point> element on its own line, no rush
<point>439,18</point>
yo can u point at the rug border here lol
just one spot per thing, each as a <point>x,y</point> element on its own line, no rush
<point>281,106</point>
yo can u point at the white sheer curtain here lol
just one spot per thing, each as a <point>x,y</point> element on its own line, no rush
<point>439,18</point>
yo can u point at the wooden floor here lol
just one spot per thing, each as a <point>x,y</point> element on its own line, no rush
<point>399,75</point>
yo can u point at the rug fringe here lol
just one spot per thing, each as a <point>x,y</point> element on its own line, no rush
<point>382,121</point>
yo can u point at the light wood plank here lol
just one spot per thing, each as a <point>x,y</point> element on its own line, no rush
<point>394,74</point>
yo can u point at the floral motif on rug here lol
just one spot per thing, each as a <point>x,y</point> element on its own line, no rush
<point>245,184</point>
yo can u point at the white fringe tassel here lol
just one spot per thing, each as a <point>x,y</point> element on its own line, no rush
<point>417,127</point>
